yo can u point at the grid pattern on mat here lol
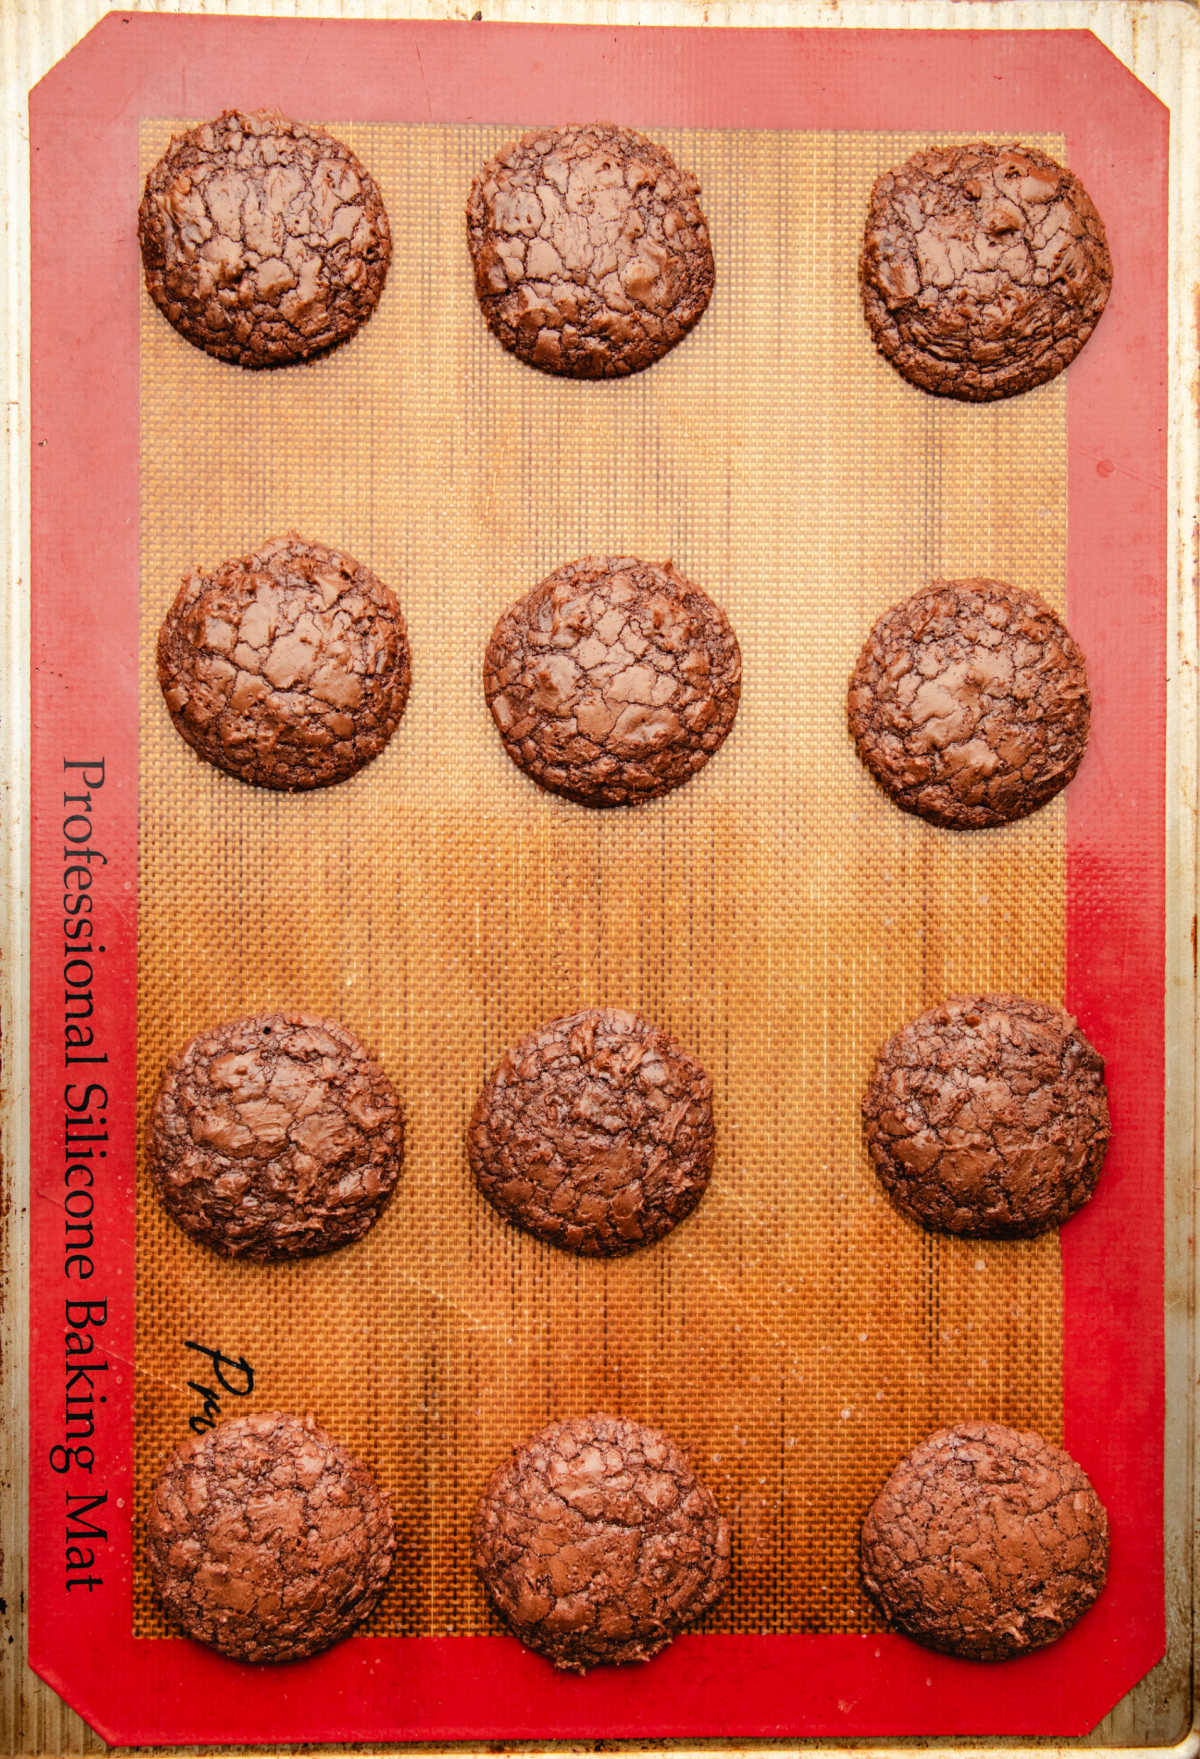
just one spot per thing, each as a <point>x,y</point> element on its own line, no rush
<point>777,915</point>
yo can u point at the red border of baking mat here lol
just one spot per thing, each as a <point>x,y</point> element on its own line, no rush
<point>86,295</point>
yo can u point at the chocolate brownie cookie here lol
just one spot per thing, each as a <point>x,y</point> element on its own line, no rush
<point>984,269</point>
<point>985,1542</point>
<point>264,242</point>
<point>276,1136</point>
<point>590,250</point>
<point>988,1115</point>
<point>613,681</point>
<point>595,1133</point>
<point>266,1540</point>
<point>288,668</point>
<point>970,704</point>
<point>597,1542</point>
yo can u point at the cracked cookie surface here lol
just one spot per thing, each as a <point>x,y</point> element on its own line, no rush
<point>591,253</point>
<point>988,1115</point>
<point>288,668</point>
<point>984,269</point>
<point>266,1540</point>
<point>275,1136</point>
<point>970,704</point>
<point>263,242</point>
<point>613,681</point>
<point>985,1542</point>
<point>598,1543</point>
<point>595,1132</point>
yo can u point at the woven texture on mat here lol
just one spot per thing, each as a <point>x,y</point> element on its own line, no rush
<point>777,915</point>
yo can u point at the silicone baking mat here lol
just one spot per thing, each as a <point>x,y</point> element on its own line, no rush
<point>778,915</point>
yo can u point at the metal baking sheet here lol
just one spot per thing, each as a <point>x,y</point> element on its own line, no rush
<point>1097,955</point>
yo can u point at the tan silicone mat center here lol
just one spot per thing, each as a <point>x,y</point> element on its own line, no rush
<point>777,915</point>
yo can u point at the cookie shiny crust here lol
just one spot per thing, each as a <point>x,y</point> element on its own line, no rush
<point>988,1115</point>
<point>266,1540</point>
<point>288,668</point>
<point>275,1136</point>
<point>985,1542</point>
<point>613,681</point>
<point>598,1543</point>
<point>984,269</point>
<point>263,241</point>
<point>970,703</point>
<point>595,1132</point>
<point>591,252</point>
